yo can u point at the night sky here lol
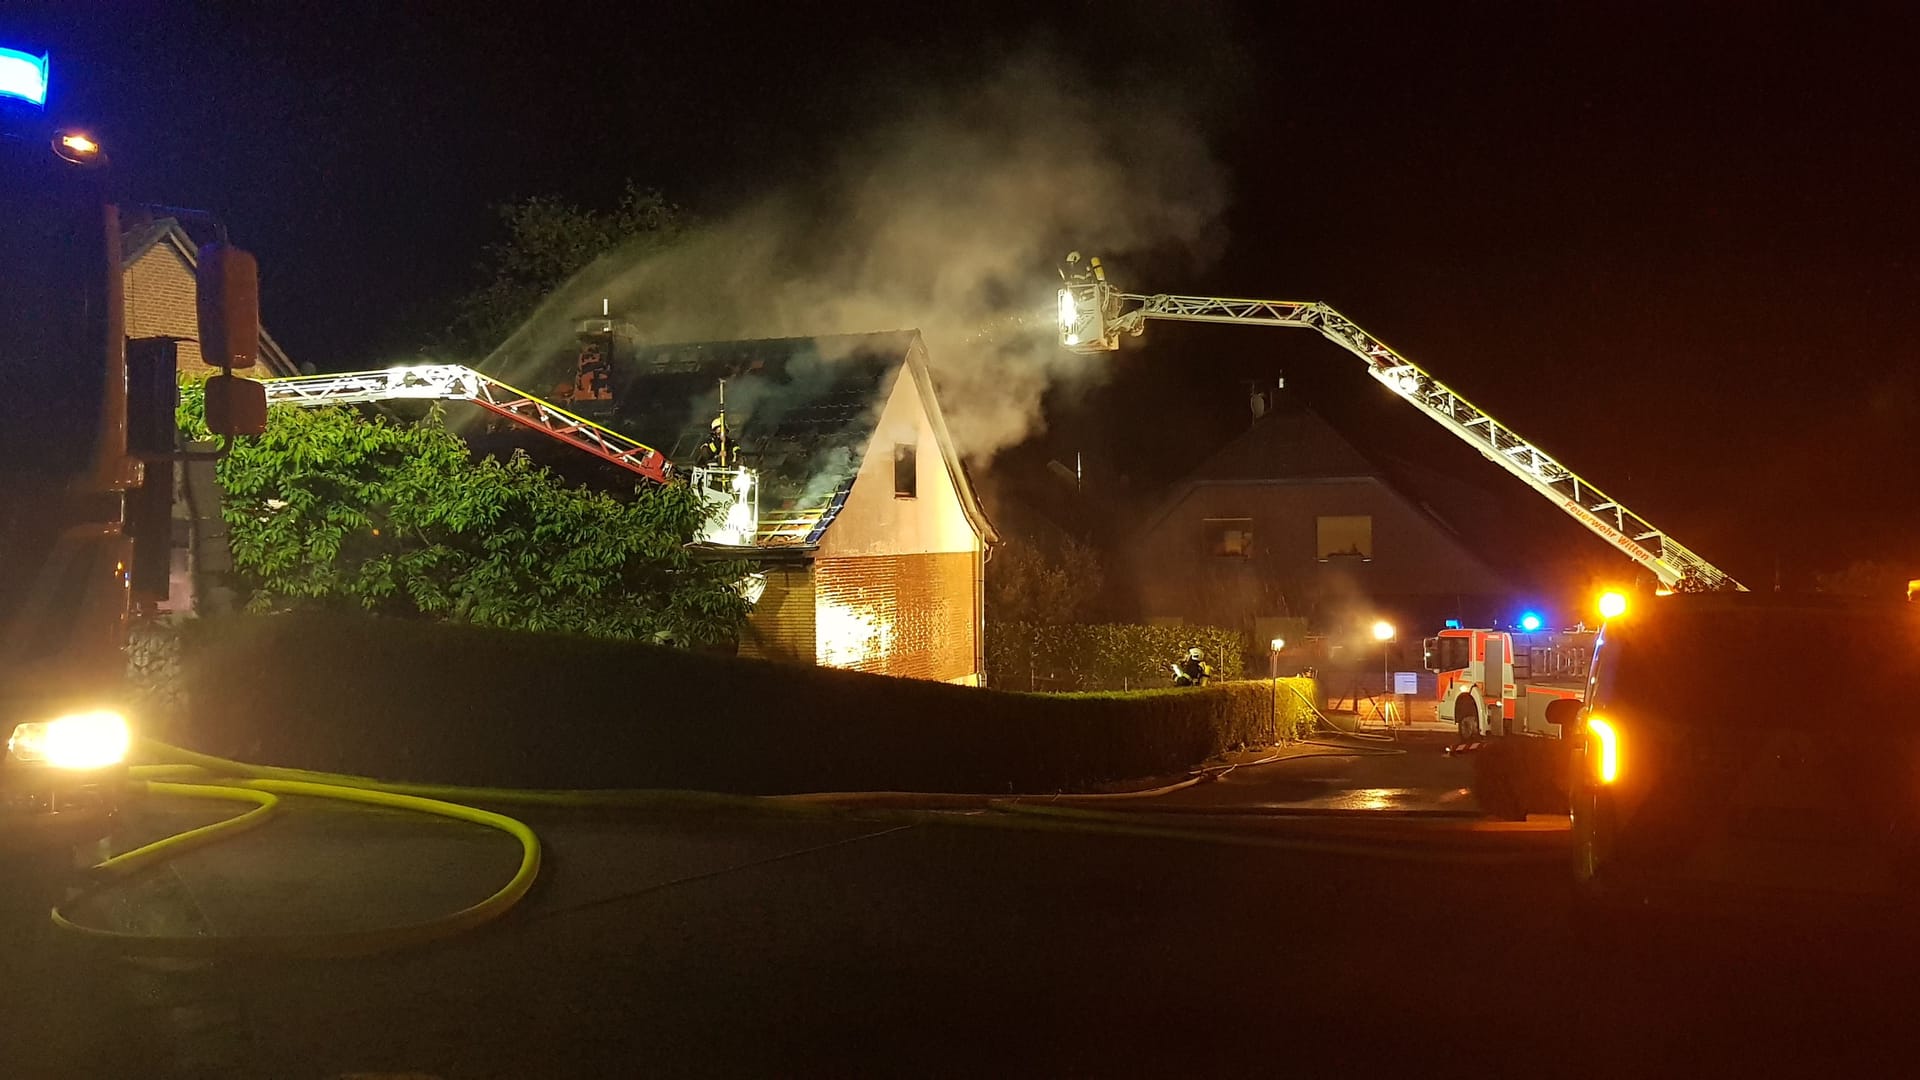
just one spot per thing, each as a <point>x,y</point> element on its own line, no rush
<point>1676,248</point>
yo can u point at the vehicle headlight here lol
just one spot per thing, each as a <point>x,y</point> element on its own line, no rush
<point>88,740</point>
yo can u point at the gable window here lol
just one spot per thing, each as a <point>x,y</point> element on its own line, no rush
<point>906,471</point>
<point>1229,537</point>
<point>1345,537</point>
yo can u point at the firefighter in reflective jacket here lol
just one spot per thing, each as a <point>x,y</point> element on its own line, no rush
<point>1193,671</point>
<point>719,451</point>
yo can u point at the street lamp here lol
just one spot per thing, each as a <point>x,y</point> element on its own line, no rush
<point>1383,633</point>
<point>1273,656</point>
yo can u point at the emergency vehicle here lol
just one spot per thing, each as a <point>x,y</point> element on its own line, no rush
<point>1498,682</point>
<point>86,464</point>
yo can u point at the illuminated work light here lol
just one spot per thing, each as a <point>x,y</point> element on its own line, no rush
<point>23,76</point>
<point>92,740</point>
<point>1083,319</point>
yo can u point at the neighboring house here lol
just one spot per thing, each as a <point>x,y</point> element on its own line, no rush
<point>1289,519</point>
<point>156,268</point>
<point>871,537</point>
<point>157,279</point>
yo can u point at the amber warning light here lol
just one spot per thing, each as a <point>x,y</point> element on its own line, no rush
<point>78,147</point>
<point>1604,748</point>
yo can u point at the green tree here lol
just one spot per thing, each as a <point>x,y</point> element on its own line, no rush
<point>548,241</point>
<point>330,509</point>
<point>1031,581</point>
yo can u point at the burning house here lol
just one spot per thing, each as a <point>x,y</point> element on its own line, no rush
<point>869,533</point>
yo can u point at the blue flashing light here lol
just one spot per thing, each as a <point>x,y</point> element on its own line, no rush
<point>1453,624</point>
<point>1529,621</point>
<point>23,76</point>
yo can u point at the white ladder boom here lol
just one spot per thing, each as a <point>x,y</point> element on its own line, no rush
<point>1094,314</point>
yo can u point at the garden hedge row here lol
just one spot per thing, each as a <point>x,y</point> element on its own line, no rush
<point>1107,656</point>
<point>440,703</point>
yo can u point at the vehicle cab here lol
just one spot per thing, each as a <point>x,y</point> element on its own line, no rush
<point>1501,682</point>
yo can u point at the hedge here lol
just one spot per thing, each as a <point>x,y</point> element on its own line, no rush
<point>442,703</point>
<point>1107,656</point>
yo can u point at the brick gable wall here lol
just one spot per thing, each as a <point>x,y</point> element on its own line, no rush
<point>159,300</point>
<point>908,615</point>
<point>160,303</point>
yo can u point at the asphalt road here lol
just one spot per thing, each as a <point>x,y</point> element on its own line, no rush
<point>1411,774</point>
<point>776,943</point>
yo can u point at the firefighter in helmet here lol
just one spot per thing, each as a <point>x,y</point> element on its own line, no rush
<point>720,451</point>
<point>1193,671</point>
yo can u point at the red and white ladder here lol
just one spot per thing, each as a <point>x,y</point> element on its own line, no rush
<point>735,491</point>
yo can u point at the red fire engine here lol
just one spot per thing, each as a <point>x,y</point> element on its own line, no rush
<point>1497,682</point>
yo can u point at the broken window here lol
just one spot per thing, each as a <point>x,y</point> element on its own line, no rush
<point>906,471</point>
<point>1229,536</point>
<point>1348,536</point>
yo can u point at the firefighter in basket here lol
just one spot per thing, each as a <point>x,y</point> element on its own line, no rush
<point>720,451</point>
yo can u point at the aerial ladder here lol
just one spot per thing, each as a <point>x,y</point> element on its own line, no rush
<point>1094,314</point>
<point>733,491</point>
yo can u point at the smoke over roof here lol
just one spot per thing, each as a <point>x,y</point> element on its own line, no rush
<point>949,219</point>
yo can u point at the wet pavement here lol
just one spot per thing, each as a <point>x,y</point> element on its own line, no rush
<point>790,944</point>
<point>1191,934</point>
<point>1409,773</point>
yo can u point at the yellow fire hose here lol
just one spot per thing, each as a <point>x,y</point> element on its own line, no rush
<point>262,786</point>
<point>180,772</point>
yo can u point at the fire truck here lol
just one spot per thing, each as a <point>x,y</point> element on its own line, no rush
<point>1522,672</point>
<point>86,464</point>
<point>1498,682</point>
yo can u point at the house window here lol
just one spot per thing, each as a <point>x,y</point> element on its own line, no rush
<point>1229,536</point>
<point>906,471</point>
<point>1345,537</point>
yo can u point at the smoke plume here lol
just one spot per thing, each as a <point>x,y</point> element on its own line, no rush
<point>950,220</point>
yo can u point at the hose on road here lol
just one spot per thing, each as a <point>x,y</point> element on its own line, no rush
<point>185,773</point>
<point>1332,728</point>
<point>215,778</point>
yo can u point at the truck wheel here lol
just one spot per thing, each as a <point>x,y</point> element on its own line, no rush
<point>1468,718</point>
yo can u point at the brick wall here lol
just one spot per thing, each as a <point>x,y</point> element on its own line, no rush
<point>910,615</point>
<point>780,627</point>
<point>159,294</point>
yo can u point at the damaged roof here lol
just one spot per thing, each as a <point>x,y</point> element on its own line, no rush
<point>803,411</point>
